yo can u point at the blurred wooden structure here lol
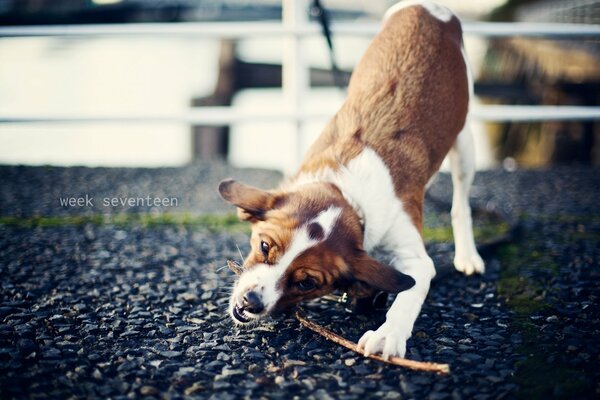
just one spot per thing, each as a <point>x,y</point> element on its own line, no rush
<point>548,72</point>
<point>211,142</point>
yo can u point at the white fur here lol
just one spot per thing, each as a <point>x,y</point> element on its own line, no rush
<point>389,226</point>
<point>327,220</point>
<point>436,10</point>
<point>462,165</point>
<point>263,278</point>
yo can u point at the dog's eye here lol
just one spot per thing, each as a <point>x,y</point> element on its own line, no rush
<point>306,284</point>
<point>264,248</point>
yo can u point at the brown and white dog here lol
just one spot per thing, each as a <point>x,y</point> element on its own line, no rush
<point>362,184</point>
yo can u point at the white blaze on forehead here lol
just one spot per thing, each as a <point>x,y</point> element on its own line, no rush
<point>436,10</point>
<point>327,220</point>
<point>263,278</point>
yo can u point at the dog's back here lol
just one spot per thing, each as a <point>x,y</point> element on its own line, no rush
<point>396,103</point>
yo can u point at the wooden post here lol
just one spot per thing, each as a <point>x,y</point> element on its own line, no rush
<point>212,142</point>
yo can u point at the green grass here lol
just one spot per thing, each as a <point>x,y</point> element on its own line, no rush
<point>484,233</point>
<point>521,294</point>
<point>437,234</point>
<point>211,222</point>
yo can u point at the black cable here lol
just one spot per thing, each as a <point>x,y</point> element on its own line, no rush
<point>318,11</point>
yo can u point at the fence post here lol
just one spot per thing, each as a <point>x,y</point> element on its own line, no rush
<point>295,78</point>
<point>212,142</point>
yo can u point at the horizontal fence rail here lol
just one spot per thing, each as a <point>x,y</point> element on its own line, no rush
<point>211,115</point>
<point>499,113</point>
<point>218,116</point>
<point>252,29</point>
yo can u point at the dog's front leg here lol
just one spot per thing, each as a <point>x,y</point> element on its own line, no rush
<point>390,338</point>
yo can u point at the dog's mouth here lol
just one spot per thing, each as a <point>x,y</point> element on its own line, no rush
<point>239,314</point>
<point>242,315</point>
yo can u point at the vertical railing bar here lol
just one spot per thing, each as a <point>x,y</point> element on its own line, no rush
<point>295,72</point>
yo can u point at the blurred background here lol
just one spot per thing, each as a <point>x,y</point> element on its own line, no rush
<point>110,96</point>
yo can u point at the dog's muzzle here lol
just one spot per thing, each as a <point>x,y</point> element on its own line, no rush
<point>250,308</point>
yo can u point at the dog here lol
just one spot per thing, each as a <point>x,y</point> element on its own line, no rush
<point>362,184</point>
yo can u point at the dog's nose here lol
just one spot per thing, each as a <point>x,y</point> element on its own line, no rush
<point>252,303</point>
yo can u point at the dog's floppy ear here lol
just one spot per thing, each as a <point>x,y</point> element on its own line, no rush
<point>368,273</point>
<point>252,202</point>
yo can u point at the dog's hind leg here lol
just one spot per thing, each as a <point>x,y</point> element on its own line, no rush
<point>462,165</point>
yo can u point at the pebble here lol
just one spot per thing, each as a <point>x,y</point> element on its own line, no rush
<point>5,311</point>
<point>195,388</point>
<point>50,353</point>
<point>170,354</point>
<point>361,369</point>
<point>26,346</point>
<point>221,384</point>
<point>148,391</point>
<point>446,341</point>
<point>293,363</point>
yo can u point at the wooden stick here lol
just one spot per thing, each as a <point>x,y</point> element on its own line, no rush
<point>403,362</point>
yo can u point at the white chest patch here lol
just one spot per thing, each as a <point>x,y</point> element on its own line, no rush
<point>436,10</point>
<point>368,182</point>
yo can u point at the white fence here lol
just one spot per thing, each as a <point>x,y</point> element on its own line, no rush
<point>294,27</point>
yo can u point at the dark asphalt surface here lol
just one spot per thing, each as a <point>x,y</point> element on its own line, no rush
<point>101,311</point>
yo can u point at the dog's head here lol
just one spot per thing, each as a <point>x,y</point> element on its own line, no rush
<point>305,244</point>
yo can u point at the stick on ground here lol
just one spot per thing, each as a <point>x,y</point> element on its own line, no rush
<point>403,362</point>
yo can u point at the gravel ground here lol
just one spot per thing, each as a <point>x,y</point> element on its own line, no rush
<point>100,311</point>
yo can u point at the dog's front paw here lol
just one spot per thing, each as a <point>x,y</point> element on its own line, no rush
<point>388,340</point>
<point>469,263</point>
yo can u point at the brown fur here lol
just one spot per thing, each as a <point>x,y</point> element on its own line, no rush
<point>407,100</point>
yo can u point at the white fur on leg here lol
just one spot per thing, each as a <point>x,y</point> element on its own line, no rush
<point>390,338</point>
<point>462,164</point>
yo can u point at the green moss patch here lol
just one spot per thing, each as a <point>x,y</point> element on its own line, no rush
<point>484,233</point>
<point>212,222</point>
